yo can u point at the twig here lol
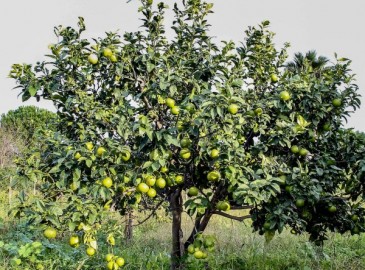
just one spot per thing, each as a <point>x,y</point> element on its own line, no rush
<point>150,215</point>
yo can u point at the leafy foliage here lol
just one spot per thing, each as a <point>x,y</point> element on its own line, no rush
<point>26,120</point>
<point>158,108</point>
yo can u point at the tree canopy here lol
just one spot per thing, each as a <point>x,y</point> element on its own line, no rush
<point>233,122</point>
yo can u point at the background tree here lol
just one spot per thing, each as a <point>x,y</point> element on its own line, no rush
<point>300,61</point>
<point>18,133</point>
<point>25,121</point>
<point>144,120</point>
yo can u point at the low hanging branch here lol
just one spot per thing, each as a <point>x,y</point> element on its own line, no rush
<point>150,215</point>
<point>243,207</point>
<point>240,219</point>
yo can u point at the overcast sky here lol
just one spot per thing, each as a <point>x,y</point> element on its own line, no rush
<point>328,26</point>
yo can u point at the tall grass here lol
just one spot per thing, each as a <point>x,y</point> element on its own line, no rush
<point>237,247</point>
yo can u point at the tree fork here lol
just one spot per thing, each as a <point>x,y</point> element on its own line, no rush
<point>201,222</point>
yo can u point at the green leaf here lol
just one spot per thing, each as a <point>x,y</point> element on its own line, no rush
<point>150,67</point>
<point>76,174</point>
<point>171,140</point>
<point>55,169</point>
<point>32,90</point>
<point>147,164</point>
<point>89,162</point>
<point>173,90</point>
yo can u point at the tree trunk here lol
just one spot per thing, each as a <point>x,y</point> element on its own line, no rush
<point>177,234</point>
<point>128,230</point>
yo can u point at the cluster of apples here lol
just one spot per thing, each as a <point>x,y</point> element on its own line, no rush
<point>148,187</point>
<point>203,244</point>
<point>114,262</point>
<point>107,52</point>
<point>100,151</point>
<point>299,151</point>
<point>107,182</point>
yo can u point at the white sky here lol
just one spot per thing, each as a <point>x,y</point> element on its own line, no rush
<point>328,26</point>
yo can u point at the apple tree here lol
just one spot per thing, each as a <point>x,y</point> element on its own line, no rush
<point>144,120</point>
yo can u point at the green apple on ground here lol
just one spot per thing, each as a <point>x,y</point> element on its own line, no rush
<point>208,242</point>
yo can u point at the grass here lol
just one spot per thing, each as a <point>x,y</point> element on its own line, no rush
<point>236,248</point>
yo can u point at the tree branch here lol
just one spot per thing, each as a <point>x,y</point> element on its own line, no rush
<point>240,219</point>
<point>150,215</point>
<point>243,207</point>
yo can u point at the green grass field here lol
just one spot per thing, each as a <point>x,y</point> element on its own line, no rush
<point>236,248</point>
